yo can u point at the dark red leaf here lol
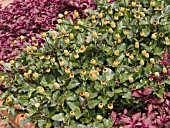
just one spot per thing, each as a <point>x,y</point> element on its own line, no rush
<point>147,90</point>
<point>136,116</point>
<point>114,116</point>
<point>136,93</point>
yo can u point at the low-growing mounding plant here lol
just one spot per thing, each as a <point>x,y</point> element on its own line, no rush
<point>27,19</point>
<point>155,115</point>
<point>89,67</point>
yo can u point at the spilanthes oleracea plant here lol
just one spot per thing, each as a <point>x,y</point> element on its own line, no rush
<point>90,67</point>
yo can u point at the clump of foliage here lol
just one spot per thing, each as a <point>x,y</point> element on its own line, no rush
<point>89,67</point>
<point>155,114</point>
<point>29,18</point>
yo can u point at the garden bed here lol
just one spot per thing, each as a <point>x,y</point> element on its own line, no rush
<point>110,69</point>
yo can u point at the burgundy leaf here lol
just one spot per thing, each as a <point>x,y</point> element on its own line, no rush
<point>114,116</point>
<point>147,121</point>
<point>152,126</point>
<point>150,108</point>
<point>136,93</point>
<point>127,126</point>
<point>147,90</point>
<point>126,120</point>
<point>136,116</point>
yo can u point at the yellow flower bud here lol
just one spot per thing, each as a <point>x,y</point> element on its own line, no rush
<point>100,15</point>
<point>93,62</point>
<point>143,52</point>
<point>66,41</point>
<point>71,36</point>
<point>37,105</point>
<point>94,35</point>
<point>66,53</point>
<point>133,4</point>
<point>116,17</point>
<point>137,45</point>
<point>131,57</point>
<point>86,94</point>
<point>72,113</point>
<point>66,12</point>
<point>93,17</point>
<point>52,60</point>
<point>152,3</point>
<point>152,61</point>
<point>61,62</point>
<point>36,75</point>
<point>142,62</point>
<point>57,86</point>
<point>41,90</point>
<point>76,14</point>
<point>142,14</point>
<point>63,31</point>
<point>110,106</point>
<point>71,75</point>
<point>41,57</point>
<point>86,11</point>
<point>113,24</point>
<point>83,72</point>
<point>117,36</point>
<point>76,27</point>
<point>164,70</point>
<point>99,117</point>
<point>147,55</point>
<point>100,105</point>
<point>94,77</point>
<point>116,63</point>
<point>142,33</point>
<point>12,62</point>
<point>53,33</point>
<point>116,53</point>
<point>110,12</point>
<point>44,35</point>
<point>2,78</point>
<point>59,21</point>
<point>122,9</point>
<point>60,15</point>
<point>157,74</point>
<point>153,36</point>
<point>48,70</point>
<point>131,79</point>
<point>126,32</point>
<point>76,56</point>
<point>67,70</point>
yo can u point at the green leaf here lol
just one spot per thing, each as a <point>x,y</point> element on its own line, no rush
<point>92,103</point>
<point>18,64</point>
<point>7,66</point>
<point>121,47</point>
<point>118,90</point>
<point>127,95</point>
<point>24,121</point>
<point>75,109</point>
<point>58,117</point>
<point>73,84</point>
<point>108,123</point>
<point>124,77</point>
<point>158,51</point>
<point>146,31</point>
<point>41,123</point>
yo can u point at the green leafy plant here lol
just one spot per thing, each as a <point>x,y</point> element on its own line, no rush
<point>91,66</point>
